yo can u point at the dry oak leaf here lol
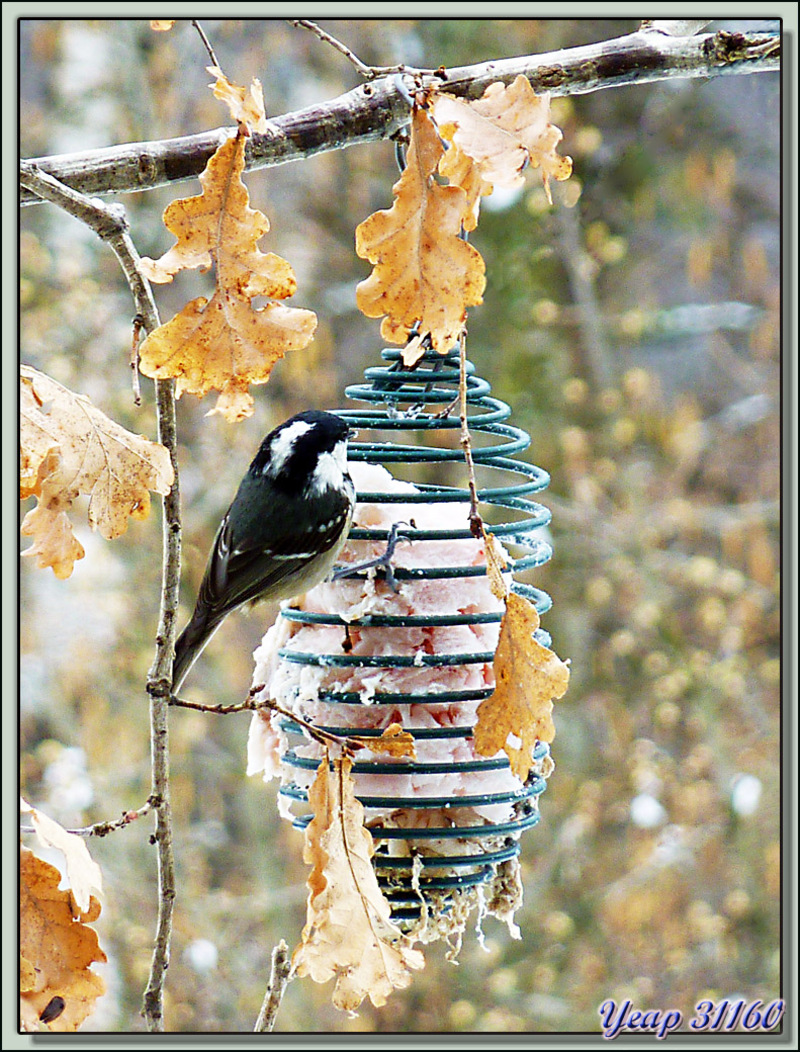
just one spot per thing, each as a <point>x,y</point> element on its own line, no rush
<point>224,343</point>
<point>460,169</point>
<point>349,934</point>
<point>162,25</point>
<point>83,873</point>
<point>246,105</point>
<point>68,447</point>
<point>425,275</point>
<point>393,741</point>
<point>528,677</point>
<point>505,131</point>
<point>58,944</point>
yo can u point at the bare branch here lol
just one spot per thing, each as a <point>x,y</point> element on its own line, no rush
<point>104,828</point>
<point>279,977</point>
<point>371,72</point>
<point>377,110</point>
<point>206,42</point>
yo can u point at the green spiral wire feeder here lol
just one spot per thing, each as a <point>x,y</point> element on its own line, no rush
<point>417,875</point>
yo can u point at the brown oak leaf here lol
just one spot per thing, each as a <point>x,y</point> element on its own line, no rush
<point>57,948</point>
<point>245,104</point>
<point>68,447</point>
<point>224,343</point>
<point>425,275</point>
<point>504,131</point>
<point>349,934</point>
<point>528,677</point>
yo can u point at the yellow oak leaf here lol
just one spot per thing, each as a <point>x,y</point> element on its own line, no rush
<point>224,343</point>
<point>394,741</point>
<point>425,275</point>
<point>68,447</point>
<point>349,934</point>
<point>245,104</point>
<point>528,677</point>
<point>460,169</point>
<point>504,131</point>
<point>57,949</point>
<point>162,25</point>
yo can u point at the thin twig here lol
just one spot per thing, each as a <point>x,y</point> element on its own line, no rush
<point>475,520</point>
<point>251,705</point>
<point>110,223</point>
<point>279,977</point>
<point>104,828</point>
<point>138,325</point>
<point>370,72</point>
<point>207,43</point>
<point>377,110</point>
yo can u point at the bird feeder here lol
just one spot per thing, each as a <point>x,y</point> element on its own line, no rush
<point>414,643</point>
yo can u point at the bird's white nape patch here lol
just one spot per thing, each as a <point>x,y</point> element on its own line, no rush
<point>281,447</point>
<point>330,470</point>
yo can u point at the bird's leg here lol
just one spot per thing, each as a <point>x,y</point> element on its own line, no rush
<point>382,562</point>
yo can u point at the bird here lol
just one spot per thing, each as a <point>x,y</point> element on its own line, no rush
<point>283,530</point>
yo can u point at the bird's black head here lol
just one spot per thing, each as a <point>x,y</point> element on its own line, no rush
<point>290,455</point>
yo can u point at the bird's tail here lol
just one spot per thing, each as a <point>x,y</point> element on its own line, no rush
<point>190,644</point>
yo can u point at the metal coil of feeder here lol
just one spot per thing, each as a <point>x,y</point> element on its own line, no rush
<point>421,401</point>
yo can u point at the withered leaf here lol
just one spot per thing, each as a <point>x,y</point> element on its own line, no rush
<point>68,447</point>
<point>245,104</point>
<point>504,131</point>
<point>394,741</point>
<point>224,343</point>
<point>349,934</point>
<point>83,873</point>
<point>425,275</point>
<point>528,677</point>
<point>57,948</point>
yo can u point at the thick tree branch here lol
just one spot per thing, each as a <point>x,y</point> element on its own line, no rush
<point>377,110</point>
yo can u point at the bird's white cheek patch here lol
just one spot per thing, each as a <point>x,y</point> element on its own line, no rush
<point>330,470</point>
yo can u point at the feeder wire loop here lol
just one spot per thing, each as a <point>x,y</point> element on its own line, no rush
<point>407,418</point>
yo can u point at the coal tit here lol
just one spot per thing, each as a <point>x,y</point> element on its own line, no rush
<point>283,531</point>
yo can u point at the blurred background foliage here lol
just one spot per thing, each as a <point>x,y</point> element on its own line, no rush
<point>634,328</point>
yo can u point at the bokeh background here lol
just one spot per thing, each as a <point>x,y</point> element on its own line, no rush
<point>634,328</point>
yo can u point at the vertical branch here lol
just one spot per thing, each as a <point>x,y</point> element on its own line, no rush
<point>475,520</point>
<point>110,223</point>
<point>158,687</point>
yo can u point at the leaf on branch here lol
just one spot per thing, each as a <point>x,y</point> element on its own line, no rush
<point>394,741</point>
<point>504,132</point>
<point>68,447</point>
<point>528,677</point>
<point>57,948</point>
<point>246,105</point>
<point>349,934</point>
<point>162,25</point>
<point>425,275</point>
<point>462,171</point>
<point>224,343</point>
<point>83,873</point>
<point>495,564</point>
